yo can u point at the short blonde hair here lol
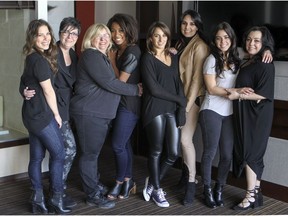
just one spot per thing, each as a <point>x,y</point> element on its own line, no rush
<point>92,32</point>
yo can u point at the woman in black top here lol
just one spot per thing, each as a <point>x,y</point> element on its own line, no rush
<point>93,106</point>
<point>125,60</point>
<point>163,97</point>
<point>41,116</point>
<point>63,84</point>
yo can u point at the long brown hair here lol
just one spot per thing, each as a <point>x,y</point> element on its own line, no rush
<point>31,35</point>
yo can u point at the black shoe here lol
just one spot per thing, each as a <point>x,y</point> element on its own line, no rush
<point>248,202</point>
<point>56,205</point>
<point>38,202</point>
<point>103,188</point>
<point>209,199</point>
<point>218,191</point>
<point>258,197</point>
<point>128,187</point>
<point>100,201</point>
<point>68,201</point>
<point>189,194</point>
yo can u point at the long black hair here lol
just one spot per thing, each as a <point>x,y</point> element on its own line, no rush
<point>233,60</point>
<point>183,41</point>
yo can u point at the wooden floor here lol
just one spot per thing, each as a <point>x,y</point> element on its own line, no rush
<point>14,195</point>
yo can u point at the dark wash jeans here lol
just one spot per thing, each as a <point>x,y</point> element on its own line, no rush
<point>49,139</point>
<point>92,132</point>
<point>217,131</point>
<point>123,127</point>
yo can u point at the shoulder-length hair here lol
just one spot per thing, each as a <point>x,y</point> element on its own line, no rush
<point>233,55</point>
<point>266,40</point>
<point>30,45</point>
<point>151,30</point>
<point>128,24</point>
<point>92,32</point>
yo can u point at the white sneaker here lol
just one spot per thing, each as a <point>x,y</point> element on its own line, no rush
<point>147,191</point>
<point>159,198</point>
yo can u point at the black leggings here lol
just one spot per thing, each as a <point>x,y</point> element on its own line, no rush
<point>162,129</point>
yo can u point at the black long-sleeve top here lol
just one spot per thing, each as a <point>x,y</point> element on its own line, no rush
<point>162,87</point>
<point>97,90</point>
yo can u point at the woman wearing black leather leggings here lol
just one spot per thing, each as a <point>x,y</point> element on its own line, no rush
<point>163,108</point>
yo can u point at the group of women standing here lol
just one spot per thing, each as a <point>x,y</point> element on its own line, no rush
<point>107,93</point>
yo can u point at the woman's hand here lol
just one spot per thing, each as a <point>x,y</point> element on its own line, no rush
<point>267,56</point>
<point>140,88</point>
<point>245,90</point>
<point>173,50</point>
<point>28,94</point>
<point>58,120</point>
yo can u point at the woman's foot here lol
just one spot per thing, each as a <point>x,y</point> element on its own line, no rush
<point>248,202</point>
<point>115,191</point>
<point>129,186</point>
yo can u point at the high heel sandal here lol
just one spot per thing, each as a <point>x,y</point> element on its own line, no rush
<point>250,199</point>
<point>114,192</point>
<point>129,186</point>
<point>259,197</point>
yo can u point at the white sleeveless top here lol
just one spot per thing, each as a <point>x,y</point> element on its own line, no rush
<point>218,104</point>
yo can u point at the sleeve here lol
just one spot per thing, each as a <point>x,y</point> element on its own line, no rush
<point>42,70</point>
<point>200,54</point>
<point>150,81</point>
<point>100,70</point>
<point>129,63</point>
<point>265,77</point>
<point>209,66</point>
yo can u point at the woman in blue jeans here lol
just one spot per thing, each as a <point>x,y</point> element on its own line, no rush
<point>125,60</point>
<point>41,117</point>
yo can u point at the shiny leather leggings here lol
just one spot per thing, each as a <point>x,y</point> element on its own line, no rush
<point>162,130</point>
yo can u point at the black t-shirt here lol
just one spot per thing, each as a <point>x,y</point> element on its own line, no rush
<point>129,62</point>
<point>36,114</point>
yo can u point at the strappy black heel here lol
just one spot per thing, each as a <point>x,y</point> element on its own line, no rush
<point>258,196</point>
<point>248,202</point>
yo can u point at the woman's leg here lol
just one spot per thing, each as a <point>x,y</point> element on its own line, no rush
<point>69,146</point>
<point>172,139</point>
<point>155,135</point>
<point>187,133</point>
<point>92,133</point>
<point>123,127</point>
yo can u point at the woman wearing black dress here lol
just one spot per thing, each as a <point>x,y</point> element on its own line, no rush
<point>253,114</point>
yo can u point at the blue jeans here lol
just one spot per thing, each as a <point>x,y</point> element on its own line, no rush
<point>123,127</point>
<point>92,132</point>
<point>49,139</point>
<point>217,131</point>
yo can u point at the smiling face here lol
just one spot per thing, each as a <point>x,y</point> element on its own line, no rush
<point>43,38</point>
<point>102,41</point>
<point>188,27</point>
<point>69,37</point>
<point>118,34</point>
<point>159,39</point>
<point>254,42</point>
<point>222,41</point>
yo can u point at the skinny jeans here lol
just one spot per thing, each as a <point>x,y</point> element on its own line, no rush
<point>162,130</point>
<point>49,139</point>
<point>92,132</point>
<point>217,131</point>
<point>123,127</point>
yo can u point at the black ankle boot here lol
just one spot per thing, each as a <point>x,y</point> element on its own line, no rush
<point>55,204</point>
<point>38,202</point>
<point>218,190</point>
<point>209,199</point>
<point>189,193</point>
<point>181,185</point>
<point>127,188</point>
